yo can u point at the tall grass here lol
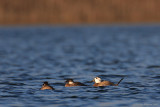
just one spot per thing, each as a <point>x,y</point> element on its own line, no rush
<point>78,11</point>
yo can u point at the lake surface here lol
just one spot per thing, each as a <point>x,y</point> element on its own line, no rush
<point>31,55</point>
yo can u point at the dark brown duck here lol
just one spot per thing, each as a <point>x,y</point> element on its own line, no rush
<point>71,83</point>
<point>46,86</point>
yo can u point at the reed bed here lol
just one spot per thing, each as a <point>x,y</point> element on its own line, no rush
<point>78,11</point>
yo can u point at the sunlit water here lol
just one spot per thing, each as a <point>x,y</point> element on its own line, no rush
<point>31,55</point>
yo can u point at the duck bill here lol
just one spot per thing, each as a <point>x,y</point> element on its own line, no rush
<point>91,81</point>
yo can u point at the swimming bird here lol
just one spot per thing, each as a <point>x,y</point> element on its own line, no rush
<point>99,83</point>
<point>71,83</point>
<point>46,86</point>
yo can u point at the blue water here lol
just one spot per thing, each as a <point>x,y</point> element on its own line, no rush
<point>31,55</point>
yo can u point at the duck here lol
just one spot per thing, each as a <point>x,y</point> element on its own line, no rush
<point>99,83</point>
<point>46,86</point>
<point>71,83</point>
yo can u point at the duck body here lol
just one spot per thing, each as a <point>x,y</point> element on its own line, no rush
<point>46,86</point>
<point>104,83</point>
<point>71,83</point>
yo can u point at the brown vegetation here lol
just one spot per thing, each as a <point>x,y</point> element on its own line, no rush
<point>78,11</point>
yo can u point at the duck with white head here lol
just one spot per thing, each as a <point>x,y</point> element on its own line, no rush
<point>99,83</point>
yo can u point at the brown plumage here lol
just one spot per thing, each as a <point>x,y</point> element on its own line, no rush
<point>98,82</point>
<point>71,83</point>
<point>46,86</point>
<point>103,83</point>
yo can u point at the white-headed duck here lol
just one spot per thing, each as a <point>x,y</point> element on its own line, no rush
<point>99,83</point>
